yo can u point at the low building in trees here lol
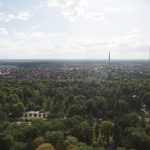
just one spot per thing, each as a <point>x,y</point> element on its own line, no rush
<point>31,115</point>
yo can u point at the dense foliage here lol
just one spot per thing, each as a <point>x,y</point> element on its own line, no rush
<point>83,115</point>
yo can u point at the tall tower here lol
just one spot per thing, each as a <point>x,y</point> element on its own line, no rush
<point>109,60</point>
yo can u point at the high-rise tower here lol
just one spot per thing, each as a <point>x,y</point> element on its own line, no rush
<point>109,59</point>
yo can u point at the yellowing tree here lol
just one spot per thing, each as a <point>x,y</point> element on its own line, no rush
<point>45,146</point>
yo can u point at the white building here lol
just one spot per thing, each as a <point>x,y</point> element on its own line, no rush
<point>31,115</point>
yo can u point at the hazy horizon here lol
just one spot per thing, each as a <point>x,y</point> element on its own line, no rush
<point>145,60</point>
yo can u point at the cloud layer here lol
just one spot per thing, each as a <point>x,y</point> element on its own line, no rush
<point>74,29</point>
<point>36,45</point>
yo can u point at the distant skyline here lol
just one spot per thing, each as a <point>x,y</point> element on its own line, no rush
<point>74,29</point>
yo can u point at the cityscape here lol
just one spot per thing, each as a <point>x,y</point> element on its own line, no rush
<point>74,75</point>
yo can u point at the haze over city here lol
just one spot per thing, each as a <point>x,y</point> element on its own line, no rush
<point>74,29</point>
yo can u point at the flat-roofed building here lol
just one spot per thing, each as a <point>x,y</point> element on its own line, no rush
<point>31,115</point>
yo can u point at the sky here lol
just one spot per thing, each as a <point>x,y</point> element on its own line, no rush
<point>74,29</point>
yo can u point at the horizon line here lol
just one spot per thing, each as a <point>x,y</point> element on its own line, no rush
<point>70,59</point>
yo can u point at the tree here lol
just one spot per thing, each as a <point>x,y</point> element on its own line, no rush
<point>83,132</point>
<point>100,148</point>
<point>128,120</point>
<point>148,131</point>
<point>146,99</point>
<point>17,110</point>
<point>70,142</point>
<point>3,116</point>
<point>18,146</point>
<point>31,132</point>
<point>45,146</point>
<point>56,138</point>
<point>137,140</point>
<point>76,109</point>
<point>27,92</point>
<point>107,129</point>
<point>38,141</point>
<point>13,98</point>
<point>120,148</point>
<point>117,136</point>
<point>83,146</point>
<point>121,107</point>
<point>6,142</point>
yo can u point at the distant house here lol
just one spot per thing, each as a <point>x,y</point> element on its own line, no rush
<point>31,115</point>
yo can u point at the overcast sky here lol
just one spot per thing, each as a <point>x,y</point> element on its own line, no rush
<point>74,29</point>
